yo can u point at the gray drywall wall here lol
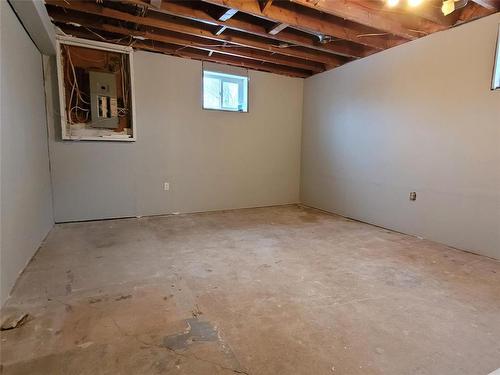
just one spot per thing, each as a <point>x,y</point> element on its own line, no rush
<point>419,117</point>
<point>213,160</point>
<point>26,203</point>
<point>35,19</point>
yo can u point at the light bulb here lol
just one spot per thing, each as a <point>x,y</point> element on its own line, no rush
<point>414,3</point>
<point>392,3</point>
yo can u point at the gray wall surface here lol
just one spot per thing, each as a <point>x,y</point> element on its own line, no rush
<point>212,160</point>
<point>419,117</point>
<point>26,201</point>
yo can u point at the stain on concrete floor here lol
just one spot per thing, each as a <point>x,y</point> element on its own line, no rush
<point>281,290</point>
<point>196,331</point>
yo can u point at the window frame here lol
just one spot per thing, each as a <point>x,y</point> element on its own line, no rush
<point>226,77</point>
<point>495,82</point>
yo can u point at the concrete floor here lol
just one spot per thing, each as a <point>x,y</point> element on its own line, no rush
<point>282,290</point>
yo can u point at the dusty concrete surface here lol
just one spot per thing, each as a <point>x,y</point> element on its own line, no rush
<point>283,290</point>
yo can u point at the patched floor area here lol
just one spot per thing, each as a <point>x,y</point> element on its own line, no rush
<point>280,290</point>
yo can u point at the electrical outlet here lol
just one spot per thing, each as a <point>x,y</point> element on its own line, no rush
<point>166,186</point>
<point>413,196</point>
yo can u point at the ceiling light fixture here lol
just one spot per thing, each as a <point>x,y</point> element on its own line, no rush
<point>449,6</point>
<point>392,3</point>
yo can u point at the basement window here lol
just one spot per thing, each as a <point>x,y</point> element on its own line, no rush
<point>225,92</point>
<point>496,70</point>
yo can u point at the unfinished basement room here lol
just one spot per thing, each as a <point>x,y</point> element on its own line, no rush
<point>257,187</point>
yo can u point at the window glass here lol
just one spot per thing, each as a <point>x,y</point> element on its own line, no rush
<point>225,92</point>
<point>230,95</point>
<point>211,93</point>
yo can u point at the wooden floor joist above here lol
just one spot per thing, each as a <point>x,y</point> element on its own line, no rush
<point>290,37</point>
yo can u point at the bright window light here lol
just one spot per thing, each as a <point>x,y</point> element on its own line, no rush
<point>225,92</point>
<point>496,70</point>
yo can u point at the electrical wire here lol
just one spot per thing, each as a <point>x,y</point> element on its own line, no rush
<point>105,39</point>
<point>76,104</point>
<point>75,89</point>
<point>373,34</point>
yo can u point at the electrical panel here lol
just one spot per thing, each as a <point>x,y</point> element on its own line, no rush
<point>96,90</point>
<point>103,102</point>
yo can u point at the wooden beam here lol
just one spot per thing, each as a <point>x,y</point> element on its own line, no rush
<point>277,28</point>
<point>265,4</point>
<point>179,9</point>
<point>227,14</point>
<point>363,14</point>
<point>473,11</point>
<point>312,23</point>
<point>187,41</point>
<point>428,10</point>
<point>92,8</point>
<point>489,4</point>
<point>198,55</point>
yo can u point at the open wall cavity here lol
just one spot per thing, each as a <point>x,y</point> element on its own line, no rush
<point>96,91</point>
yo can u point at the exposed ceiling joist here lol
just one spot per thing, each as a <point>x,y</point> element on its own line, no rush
<point>316,24</point>
<point>292,37</point>
<point>489,4</point>
<point>428,10</point>
<point>200,55</point>
<point>230,50</point>
<point>264,4</point>
<point>473,11</point>
<point>362,13</point>
<point>164,24</point>
<point>184,11</point>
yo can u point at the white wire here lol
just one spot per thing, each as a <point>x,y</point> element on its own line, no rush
<point>122,111</point>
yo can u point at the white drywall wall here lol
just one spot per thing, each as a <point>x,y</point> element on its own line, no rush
<point>26,203</point>
<point>213,160</point>
<point>419,117</point>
